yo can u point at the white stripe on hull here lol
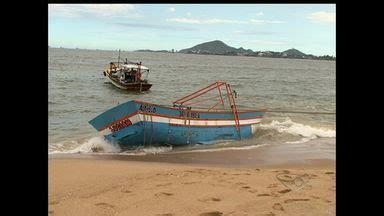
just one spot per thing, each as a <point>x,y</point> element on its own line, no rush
<point>159,119</point>
<point>195,122</point>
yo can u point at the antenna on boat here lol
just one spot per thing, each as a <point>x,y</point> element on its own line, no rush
<point>118,60</point>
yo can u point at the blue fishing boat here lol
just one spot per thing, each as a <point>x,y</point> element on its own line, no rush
<point>139,123</point>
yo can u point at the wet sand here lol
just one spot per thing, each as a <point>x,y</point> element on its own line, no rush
<point>265,181</point>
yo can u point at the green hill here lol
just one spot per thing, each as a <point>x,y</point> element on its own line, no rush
<point>212,47</point>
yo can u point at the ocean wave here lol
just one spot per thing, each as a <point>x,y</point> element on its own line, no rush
<point>92,145</point>
<point>227,148</point>
<point>98,145</point>
<point>148,150</point>
<point>283,131</point>
<point>305,131</point>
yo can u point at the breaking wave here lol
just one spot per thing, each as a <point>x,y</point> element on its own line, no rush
<point>99,145</point>
<point>92,145</point>
<point>306,132</point>
<point>283,131</point>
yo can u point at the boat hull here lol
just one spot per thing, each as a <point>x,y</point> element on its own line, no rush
<point>137,123</point>
<point>138,86</point>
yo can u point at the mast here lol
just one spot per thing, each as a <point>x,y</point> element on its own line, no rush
<point>118,60</point>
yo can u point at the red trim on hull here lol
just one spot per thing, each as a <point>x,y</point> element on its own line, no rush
<point>118,120</point>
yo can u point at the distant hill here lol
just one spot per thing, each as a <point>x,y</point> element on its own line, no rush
<point>293,52</point>
<point>216,47</point>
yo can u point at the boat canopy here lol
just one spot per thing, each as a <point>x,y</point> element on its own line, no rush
<point>134,66</point>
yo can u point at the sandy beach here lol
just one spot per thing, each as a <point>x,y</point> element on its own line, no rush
<point>161,185</point>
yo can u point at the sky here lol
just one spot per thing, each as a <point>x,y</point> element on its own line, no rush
<point>310,28</point>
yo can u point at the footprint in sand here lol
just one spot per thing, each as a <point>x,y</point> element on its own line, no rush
<point>104,205</point>
<point>309,176</point>
<point>165,184</point>
<point>50,212</point>
<point>329,173</point>
<point>295,200</point>
<point>163,194</point>
<point>285,191</point>
<point>278,206</point>
<point>166,214</point>
<point>240,183</point>
<point>272,185</point>
<point>282,171</point>
<point>191,182</point>
<point>264,194</point>
<point>246,187</point>
<point>126,191</point>
<point>212,213</point>
<point>215,199</point>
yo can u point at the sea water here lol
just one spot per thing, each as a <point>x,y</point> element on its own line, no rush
<point>78,92</point>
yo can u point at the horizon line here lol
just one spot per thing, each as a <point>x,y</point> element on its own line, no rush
<point>106,49</point>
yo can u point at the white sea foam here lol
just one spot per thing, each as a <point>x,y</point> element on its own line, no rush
<point>148,150</point>
<point>228,148</point>
<point>94,144</point>
<point>305,131</point>
<point>99,145</point>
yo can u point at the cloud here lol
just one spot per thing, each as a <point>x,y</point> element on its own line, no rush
<point>268,42</point>
<point>172,9</point>
<point>155,26</point>
<point>84,10</point>
<point>259,14</point>
<point>322,17</point>
<point>255,21</point>
<point>255,32</point>
<point>220,21</point>
<point>207,21</point>
<point>183,20</point>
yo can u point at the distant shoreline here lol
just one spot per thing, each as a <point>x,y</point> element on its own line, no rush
<point>165,51</point>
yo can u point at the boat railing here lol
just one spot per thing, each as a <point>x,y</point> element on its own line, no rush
<point>189,99</point>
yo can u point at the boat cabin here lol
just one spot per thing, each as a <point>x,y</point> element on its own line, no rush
<point>128,72</point>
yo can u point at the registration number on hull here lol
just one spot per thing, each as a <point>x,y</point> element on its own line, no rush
<point>120,125</point>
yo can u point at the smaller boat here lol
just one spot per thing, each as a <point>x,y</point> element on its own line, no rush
<point>128,75</point>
